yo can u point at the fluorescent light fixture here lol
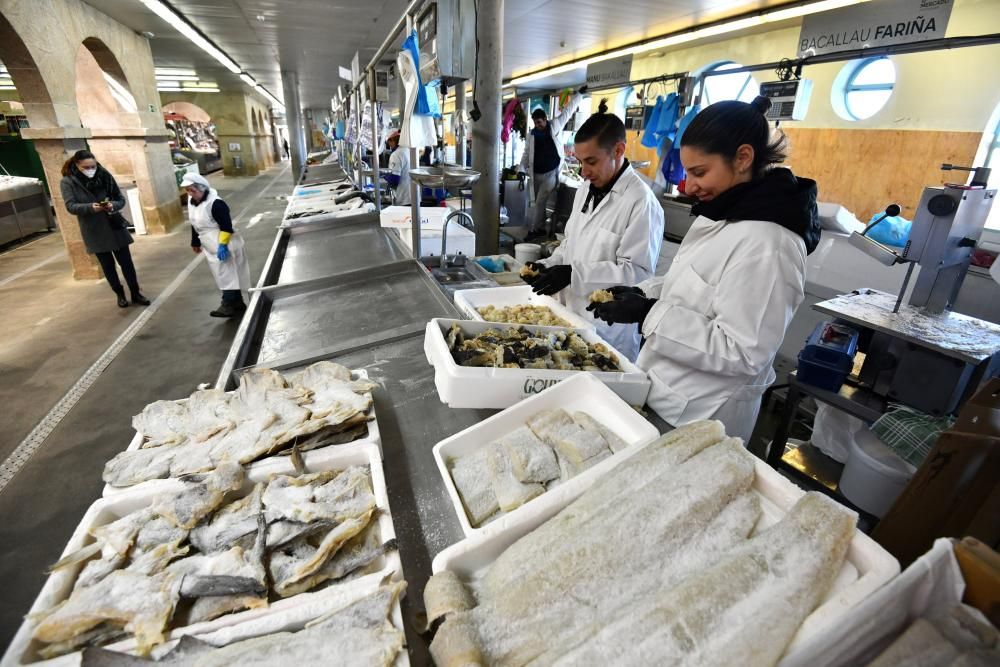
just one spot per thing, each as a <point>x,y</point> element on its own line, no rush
<point>5,87</point>
<point>176,77</point>
<point>188,30</point>
<point>690,36</point>
<point>247,79</point>
<point>171,72</point>
<point>171,89</point>
<point>199,84</point>
<point>168,84</point>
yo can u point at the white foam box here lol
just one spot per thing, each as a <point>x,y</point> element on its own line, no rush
<point>471,300</point>
<point>866,568</point>
<point>460,239</point>
<point>581,393</point>
<point>59,585</point>
<point>498,388</point>
<point>374,437</point>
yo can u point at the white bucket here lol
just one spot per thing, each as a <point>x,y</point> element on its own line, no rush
<point>874,475</point>
<point>527,252</point>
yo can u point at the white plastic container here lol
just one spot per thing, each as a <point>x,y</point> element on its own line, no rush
<point>374,437</point>
<point>874,475</point>
<point>471,300</point>
<point>583,393</point>
<point>527,252</point>
<point>59,585</point>
<point>498,388</point>
<point>867,567</point>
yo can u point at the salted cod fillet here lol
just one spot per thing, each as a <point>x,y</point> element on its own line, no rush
<point>142,604</point>
<point>200,495</point>
<point>780,574</point>
<point>357,635</point>
<point>676,507</point>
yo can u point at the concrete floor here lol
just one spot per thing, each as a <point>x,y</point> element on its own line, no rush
<point>55,328</point>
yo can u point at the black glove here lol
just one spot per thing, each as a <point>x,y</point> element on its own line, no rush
<point>627,308</point>
<point>541,268</point>
<point>582,89</point>
<point>554,280</point>
<point>624,289</point>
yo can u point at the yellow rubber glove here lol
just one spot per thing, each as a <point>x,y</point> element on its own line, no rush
<point>225,236</point>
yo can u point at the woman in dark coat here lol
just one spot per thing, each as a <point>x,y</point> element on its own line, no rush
<point>92,195</point>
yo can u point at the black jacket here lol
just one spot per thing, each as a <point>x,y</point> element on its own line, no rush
<point>778,196</point>
<point>101,232</point>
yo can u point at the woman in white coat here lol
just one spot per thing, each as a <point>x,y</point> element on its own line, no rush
<point>212,233</point>
<point>613,234</point>
<point>714,323</point>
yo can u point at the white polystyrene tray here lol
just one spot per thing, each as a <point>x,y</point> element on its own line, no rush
<point>465,387</point>
<point>584,393</point>
<point>60,584</point>
<point>374,437</point>
<point>867,567</point>
<point>471,300</point>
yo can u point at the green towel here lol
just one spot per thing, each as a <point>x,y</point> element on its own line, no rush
<point>910,433</point>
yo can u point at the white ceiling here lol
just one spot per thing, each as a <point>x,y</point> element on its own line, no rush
<point>314,37</point>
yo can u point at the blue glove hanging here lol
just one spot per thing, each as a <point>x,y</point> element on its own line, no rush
<point>222,254</point>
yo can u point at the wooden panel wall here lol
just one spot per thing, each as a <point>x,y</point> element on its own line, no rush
<point>635,151</point>
<point>865,170</point>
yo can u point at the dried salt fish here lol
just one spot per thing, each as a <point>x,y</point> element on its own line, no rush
<point>200,496</point>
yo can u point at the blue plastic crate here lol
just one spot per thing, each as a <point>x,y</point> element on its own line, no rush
<point>828,357</point>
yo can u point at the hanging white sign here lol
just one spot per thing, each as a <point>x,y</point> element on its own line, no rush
<point>345,73</point>
<point>609,72</point>
<point>872,24</point>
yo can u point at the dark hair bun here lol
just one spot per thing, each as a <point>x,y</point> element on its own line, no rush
<point>761,104</point>
<point>603,106</point>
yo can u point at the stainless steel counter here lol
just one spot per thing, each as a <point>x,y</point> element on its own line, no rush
<point>24,208</point>
<point>371,319</point>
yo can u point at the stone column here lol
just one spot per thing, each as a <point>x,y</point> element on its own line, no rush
<point>293,116</point>
<point>486,132</point>
<point>54,146</point>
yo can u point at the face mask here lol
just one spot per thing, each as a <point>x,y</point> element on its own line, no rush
<point>89,173</point>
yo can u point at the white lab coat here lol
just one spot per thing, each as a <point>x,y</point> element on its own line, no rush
<point>234,273</point>
<point>555,127</point>
<point>722,313</point>
<point>616,242</point>
<point>399,164</point>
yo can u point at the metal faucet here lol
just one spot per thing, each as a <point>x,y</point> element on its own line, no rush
<point>444,233</point>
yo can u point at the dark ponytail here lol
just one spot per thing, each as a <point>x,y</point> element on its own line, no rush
<point>725,126</point>
<point>79,156</point>
<point>606,127</point>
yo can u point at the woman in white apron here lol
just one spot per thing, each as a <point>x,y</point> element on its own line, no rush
<point>212,233</point>
<point>714,323</point>
<point>613,234</point>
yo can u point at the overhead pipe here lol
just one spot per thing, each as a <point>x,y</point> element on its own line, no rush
<point>376,146</point>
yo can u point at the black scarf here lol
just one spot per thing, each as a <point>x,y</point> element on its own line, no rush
<point>778,196</point>
<point>596,194</point>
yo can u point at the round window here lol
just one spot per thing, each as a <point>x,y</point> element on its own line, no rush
<point>866,86</point>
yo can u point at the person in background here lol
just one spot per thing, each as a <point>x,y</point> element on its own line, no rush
<point>426,156</point>
<point>90,192</point>
<point>284,144</point>
<point>613,234</point>
<point>212,232</point>
<point>543,155</point>
<point>714,323</point>
<point>398,175</point>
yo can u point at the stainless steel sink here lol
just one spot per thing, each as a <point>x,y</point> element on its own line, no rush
<point>453,274</point>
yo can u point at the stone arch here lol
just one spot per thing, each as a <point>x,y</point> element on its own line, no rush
<point>103,97</point>
<point>189,110</point>
<point>27,77</point>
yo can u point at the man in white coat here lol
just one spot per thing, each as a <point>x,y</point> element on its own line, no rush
<point>398,176</point>
<point>714,323</point>
<point>543,156</point>
<point>213,235</point>
<point>613,235</point>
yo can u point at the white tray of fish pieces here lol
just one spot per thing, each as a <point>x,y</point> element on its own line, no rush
<point>518,305</point>
<point>209,552</point>
<point>494,365</point>
<point>547,446</point>
<point>690,528</point>
<point>323,407</point>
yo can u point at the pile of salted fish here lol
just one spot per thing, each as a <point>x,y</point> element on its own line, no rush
<point>359,634</point>
<point>552,447</point>
<point>195,553</point>
<point>267,414</point>
<point>517,347</point>
<point>657,564</point>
